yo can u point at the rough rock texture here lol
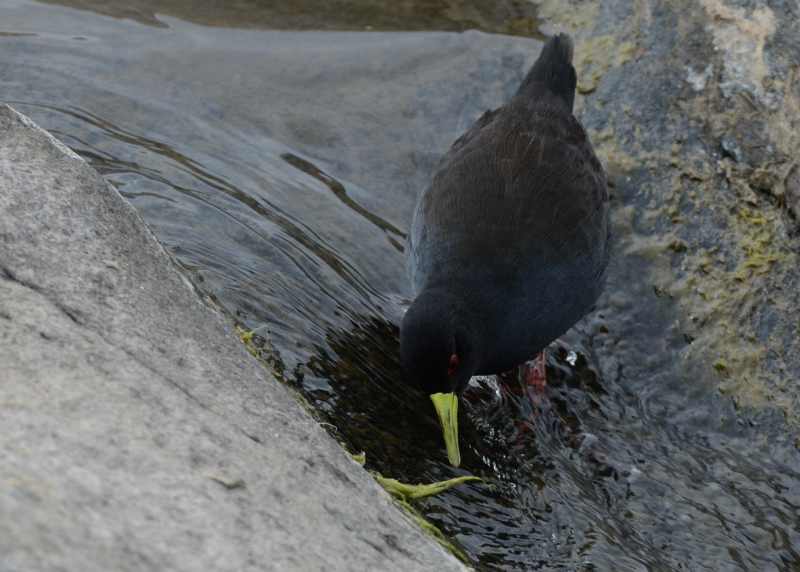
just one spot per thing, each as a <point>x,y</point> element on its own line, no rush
<point>137,433</point>
<point>699,129</point>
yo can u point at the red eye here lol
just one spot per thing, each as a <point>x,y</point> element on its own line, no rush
<point>453,366</point>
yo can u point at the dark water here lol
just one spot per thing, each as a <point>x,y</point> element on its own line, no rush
<point>280,169</point>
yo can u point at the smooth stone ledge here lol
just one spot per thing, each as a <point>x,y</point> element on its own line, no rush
<point>136,432</point>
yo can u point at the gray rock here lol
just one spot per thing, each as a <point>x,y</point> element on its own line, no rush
<point>138,434</point>
<point>701,162</point>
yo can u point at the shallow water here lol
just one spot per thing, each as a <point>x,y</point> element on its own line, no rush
<point>280,168</point>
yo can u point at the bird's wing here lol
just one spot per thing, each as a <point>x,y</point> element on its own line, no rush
<point>522,184</point>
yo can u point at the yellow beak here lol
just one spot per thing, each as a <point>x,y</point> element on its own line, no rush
<point>446,405</point>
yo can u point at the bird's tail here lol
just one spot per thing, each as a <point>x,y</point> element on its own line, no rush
<point>552,72</point>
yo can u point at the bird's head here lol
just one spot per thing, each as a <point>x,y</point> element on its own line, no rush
<point>439,356</point>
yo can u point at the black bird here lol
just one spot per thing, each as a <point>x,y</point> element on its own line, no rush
<point>509,244</point>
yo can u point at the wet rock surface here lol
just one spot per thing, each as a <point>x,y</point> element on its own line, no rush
<point>137,433</point>
<point>699,128</point>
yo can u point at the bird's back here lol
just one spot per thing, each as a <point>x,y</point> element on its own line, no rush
<point>515,220</point>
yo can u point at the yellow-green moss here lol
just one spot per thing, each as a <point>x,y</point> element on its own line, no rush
<point>432,530</point>
<point>247,339</point>
<point>572,18</point>
<point>596,55</point>
<point>616,161</point>
<point>408,492</point>
<point>404,493</point>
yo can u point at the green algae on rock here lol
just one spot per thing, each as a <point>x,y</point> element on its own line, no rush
<point>713,222</point>
<point>431,529</point>
<point>407,491</point>
<point>403,493</point>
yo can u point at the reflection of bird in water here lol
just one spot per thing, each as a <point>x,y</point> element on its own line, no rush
<point>508,245</point>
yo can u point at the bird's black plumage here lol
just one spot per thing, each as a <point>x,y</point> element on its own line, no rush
<point>509,244</point>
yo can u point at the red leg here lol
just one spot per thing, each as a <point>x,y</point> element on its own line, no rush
<point>536,373</point>
<point>533,378</point>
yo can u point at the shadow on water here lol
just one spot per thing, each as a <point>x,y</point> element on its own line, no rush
<point>628,461</point>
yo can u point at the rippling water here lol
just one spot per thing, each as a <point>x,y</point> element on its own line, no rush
<point>280,169</point>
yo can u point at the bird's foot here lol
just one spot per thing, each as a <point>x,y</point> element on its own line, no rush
<point>535,375</point>
<point>533,378</point>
